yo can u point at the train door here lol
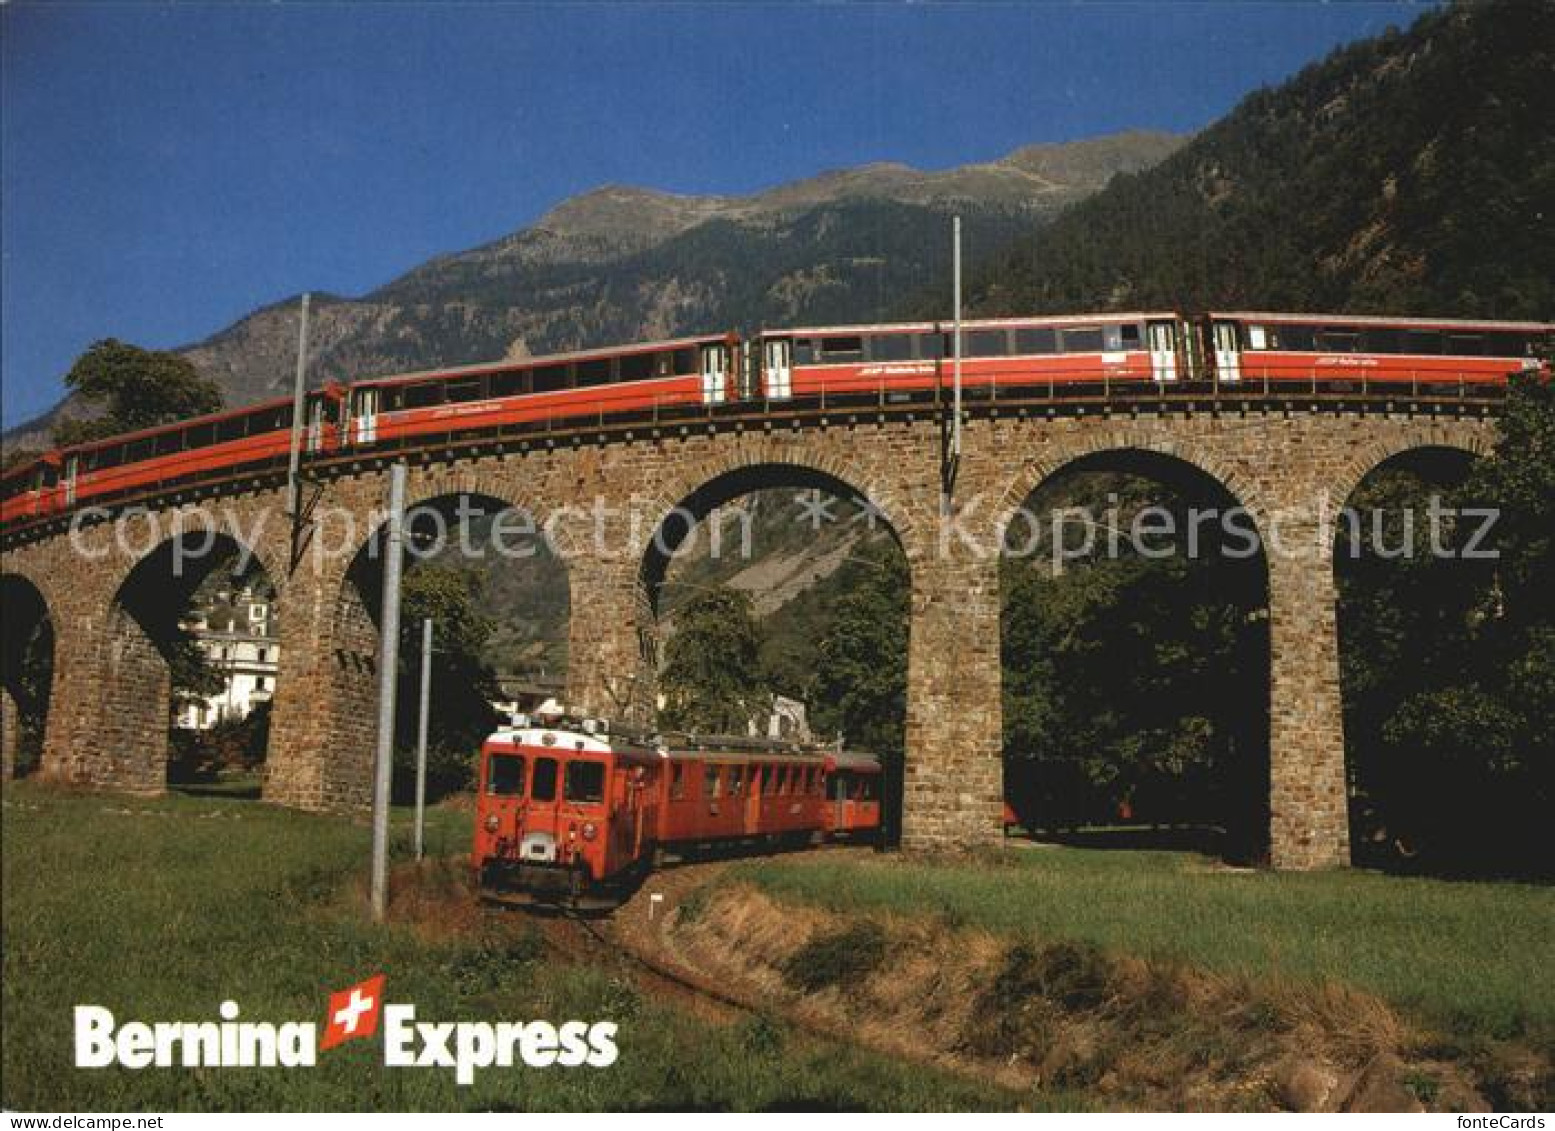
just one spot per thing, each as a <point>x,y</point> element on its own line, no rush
<point>839,801</point>
<point>313,439</point>
<point>779,369</point>
<point>1163,351</point>
<point>72,464</point>
<point>1227,359</point>
<point>715,374</point>
<point>366,422</point>
<point>540,842</point>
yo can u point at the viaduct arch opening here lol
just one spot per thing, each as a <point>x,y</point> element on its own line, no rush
<point>1135,658</point>
<point>26,675</point>
<point>795,588</point>
<point>499,595</point>
<point>192,666</point>
<point>1438,776</point>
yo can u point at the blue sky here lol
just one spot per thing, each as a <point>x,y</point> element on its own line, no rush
<point>167,168</point>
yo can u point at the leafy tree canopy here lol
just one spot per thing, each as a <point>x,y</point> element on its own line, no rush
<point>135,388</point>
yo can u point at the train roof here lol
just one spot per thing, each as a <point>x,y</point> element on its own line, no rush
<point>1383,320</point>
<point>570,740</point>
<point>858,761</point>
<point>1044,320</point>
<point>483,367</point>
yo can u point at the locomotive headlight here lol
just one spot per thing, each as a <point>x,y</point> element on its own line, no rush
<point>589,831</point>
<point>492,823</point>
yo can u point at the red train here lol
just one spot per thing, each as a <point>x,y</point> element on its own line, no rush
<point>569,811</point>
<point>883,362</point>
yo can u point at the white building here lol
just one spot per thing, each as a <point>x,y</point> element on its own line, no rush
<point>237,632</point>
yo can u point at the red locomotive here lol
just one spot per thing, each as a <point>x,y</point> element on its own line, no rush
<point>570,811</point>
<point>883,362</point>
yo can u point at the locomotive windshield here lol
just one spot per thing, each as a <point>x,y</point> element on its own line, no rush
<point>505,775</point>
<point>543,787</point>
<point>585,781</point>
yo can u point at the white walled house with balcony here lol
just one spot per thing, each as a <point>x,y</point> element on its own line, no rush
<point>236,629</point>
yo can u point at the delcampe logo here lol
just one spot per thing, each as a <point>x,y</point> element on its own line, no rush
<point>354,1013</point>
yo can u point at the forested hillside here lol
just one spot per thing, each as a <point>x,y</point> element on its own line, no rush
<point>1410,173</point>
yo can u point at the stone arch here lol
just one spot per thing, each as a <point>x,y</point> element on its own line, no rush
<point>330,725</point>
<point>680,505</point>
<point>1243,817</point>
<point>1411,811</point>
<point>1230,479</point>
<point>1431,442</point>
<point>144,638</point>
<point>27,659</point>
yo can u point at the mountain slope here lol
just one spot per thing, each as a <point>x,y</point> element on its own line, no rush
<point>1411,173</point>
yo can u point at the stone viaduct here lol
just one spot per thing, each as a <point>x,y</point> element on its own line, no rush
<point>109,591</point>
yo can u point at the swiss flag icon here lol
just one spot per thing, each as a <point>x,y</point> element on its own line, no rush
<point>353,1012</point>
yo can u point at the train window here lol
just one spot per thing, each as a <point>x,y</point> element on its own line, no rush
<point>930,347</point>
<point>1036,341</point>
<point>424,395</point>
<point>637,366</point>
<point>596,372</point>
<point>685,362</point>
<point>804,351</point>
<point>677,781</point>
<point>1299,338</point>
<point>549,378</point>
<point>465,389</point>
<point>1130,334</point>
<point>891,347</point>
<point>1380,339</point>
<point>710,782</point>
<point>508,384</point>
<point>505,775</point>
<point>233,428</point>
<point>543,787</point>
<point>200,436</point>
<point>1339,341</point>
<point>1257,338</point>
<point>737,780</point>
<point>1082,340</point>
<point>169,442</point>
<point>986,343</point>
<point>842,348</point>
<point>139,450</point>
<point>1465,345</point>
<point>585,781</point>
<point>1508,345</point>
<point>1427,342</point>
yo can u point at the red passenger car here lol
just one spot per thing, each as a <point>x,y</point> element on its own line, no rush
<point>906,358</point>
<point>642,379</point>
<point>853,795</point>
<point>202,448</point>
<point>1352,350</point>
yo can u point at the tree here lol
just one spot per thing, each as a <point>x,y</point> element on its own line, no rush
<point>1449,662</point>
<point>134,388</point>
<point>859,689</point>
<point>712,680</point>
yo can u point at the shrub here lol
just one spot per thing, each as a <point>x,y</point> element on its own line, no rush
<point>836,958</point>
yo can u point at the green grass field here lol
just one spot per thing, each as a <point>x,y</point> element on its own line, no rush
<point>161,909</point>
<point>1469,959</point>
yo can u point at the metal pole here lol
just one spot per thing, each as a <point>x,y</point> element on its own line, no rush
<point>421,734</point>
<point>388,665</point>
<point>299,387</point>
<point>955,428</point>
